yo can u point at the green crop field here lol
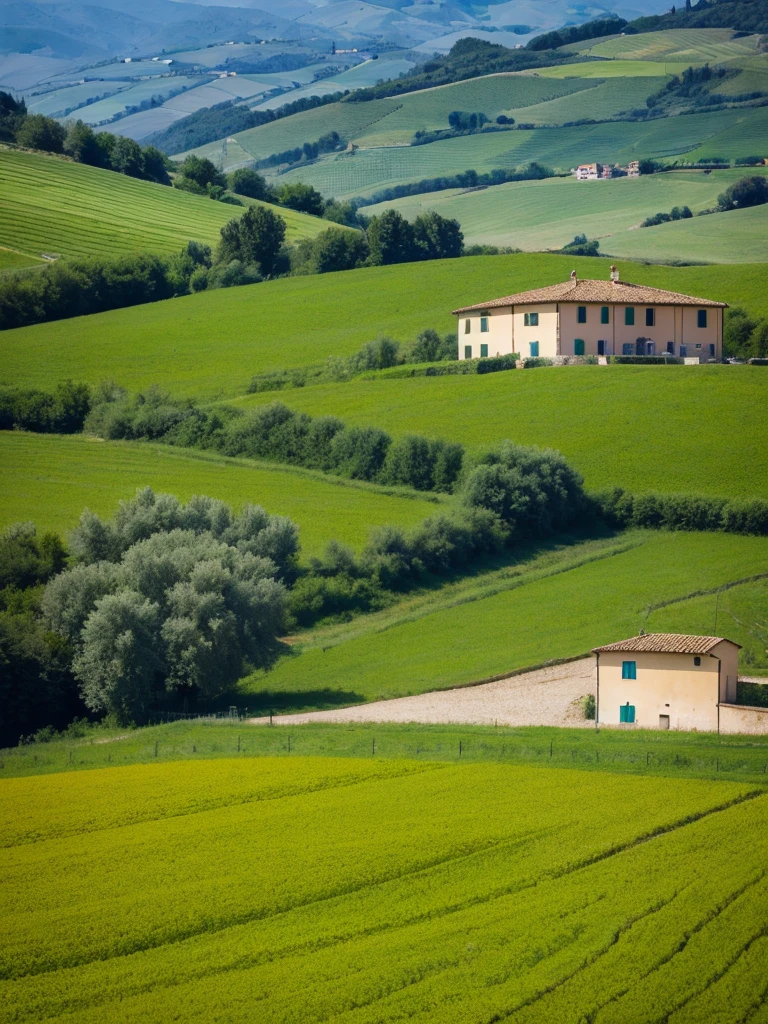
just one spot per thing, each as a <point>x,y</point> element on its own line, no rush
<point>600,99</point>
<point>208,345</point>
<point>614,69</point>
<point>50,205</point>
<point>367,170</point>
<point>560,607</point>
<point>51,479</point>
<point>12,260</point>
<point>369,890</point>
<point>547,214</point>
<point>606,420</point>
<point>696,45</point>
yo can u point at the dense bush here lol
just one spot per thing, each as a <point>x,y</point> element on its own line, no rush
<point>170,598</point>
<point>676,213</point>
<point>392,239</point>
<point>577,33</point>
<point>621,509</point>
<point>333,249</point>
<point>752,191</point>
<point>61,412</point>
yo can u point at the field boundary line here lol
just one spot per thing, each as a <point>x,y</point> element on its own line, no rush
<point>706,593</point>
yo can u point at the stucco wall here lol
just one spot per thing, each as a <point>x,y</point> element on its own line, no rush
<point>666,684</point>
<point>498,337</point>
<point>545,332</point>
<point>740,719</point>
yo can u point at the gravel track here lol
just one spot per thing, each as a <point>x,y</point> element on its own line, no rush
<point>545,696</point>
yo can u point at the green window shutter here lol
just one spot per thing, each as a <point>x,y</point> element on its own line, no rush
<point>629,670</point>
<point>534,319</point>
<point>467,351</point>
<point>483,351</point>
<point>631,713</point>
<point>627,713</point>
<point>534,349</point>
<point>604,315</point>
<point>483,324</point>
<point>701,318</point>
<point>526,319</point>
<point>578,347</point>
<point>581,315</point>
<point>629,316</point>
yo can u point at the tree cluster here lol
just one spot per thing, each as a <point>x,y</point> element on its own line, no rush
<point>751,191</point>
<point>621,509</point>
<point>676,213</point>
<point>577,33</point>
<point>467,179</point>
<point>60,412</point>
<point>744,336</point>
<point>331,142</point>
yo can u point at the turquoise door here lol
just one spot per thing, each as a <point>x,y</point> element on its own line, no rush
<point>627,713</point>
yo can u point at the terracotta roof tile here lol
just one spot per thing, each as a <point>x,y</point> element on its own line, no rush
<point>666,643</point>
<point>622,292</point>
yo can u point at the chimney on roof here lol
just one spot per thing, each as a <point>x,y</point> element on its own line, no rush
<point>614,275</point>
<point>573,276</point>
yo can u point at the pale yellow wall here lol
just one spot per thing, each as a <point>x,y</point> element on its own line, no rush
<point>666,684</point>
<point>545,333</point>
<point>746,720</point>
<point>729,669</point>
<point>559,328</point>
<point>498,337</point>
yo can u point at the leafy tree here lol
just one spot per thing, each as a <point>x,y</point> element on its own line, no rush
<point>758,340</point>
<point>427,348</point>
<point>378,355</point>
<point>648,166</point>
<point>26,559</point>
<point>751,191</point>
<point>738,328</point>
<point>12,113</point>
<point>246,182</point>
<point>332,250</point>
<point>39,132</point>
<point>390,238</point>
<point>106,143</point>
<point>126,157</point>
<point>341,213</point>
<point>80,143</point>
<point>155,168</point>
<point>359,453</point>
<point>437,237</point>
<point>256,237</point>
<point>301,197</point>
<point>201,171</point>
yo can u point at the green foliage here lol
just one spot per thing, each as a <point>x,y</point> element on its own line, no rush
<point>202,172</point>
<point>12,113</point>
<point>752,191</point>
<point>246,182</point>
<point>333,249</point>
<point>676,213</point>
<point>460,121</point>
<point>39,132</point>
<point>581,246</point>
<point>170,597</point>
<point>62,412</point>
<point>577,33</point>
<point>737,329</point>
<point>301,197</point>
<point>27,560</point>
<point>468,179</point>
<point>393,240</point>
<point>682,512</point>
<point>255,238</point>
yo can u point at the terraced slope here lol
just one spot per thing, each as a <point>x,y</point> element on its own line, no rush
<point>52,479</point>
<point>400,903</point>
<point>53,206</point>
<point>696,45</point>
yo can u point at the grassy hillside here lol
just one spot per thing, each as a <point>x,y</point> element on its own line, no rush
<point>399,903</point>
<point>51,479</point>
<point>367,170</point>
<point>10,259</point>
<point>641,427</point>
<point>695,45</point>
<point>560,607</point>
<point>547,214</point>
<point>50,205</point>
<point>209,345</point>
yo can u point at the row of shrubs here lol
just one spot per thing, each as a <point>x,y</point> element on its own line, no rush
<point>622,510</point>
<point>60,412</point>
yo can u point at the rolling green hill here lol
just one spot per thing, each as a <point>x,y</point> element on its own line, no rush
<point>606,420</point>
<point>10,259</point>
<point>585,596</point>
<point>51,479</point>
<point>537,215</point>
<point>53,206</point>
<point>210,344</point>
<point>691,45</point>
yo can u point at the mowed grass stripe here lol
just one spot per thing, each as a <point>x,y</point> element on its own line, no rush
<point>49,204</point>
<point>51,479</point>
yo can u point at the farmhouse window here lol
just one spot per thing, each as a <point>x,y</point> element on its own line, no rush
<point>627,713</point>
<point>601,347</point>
<point>578,347</point>
<point>581,314</point>
<point>467,326</point>
<point>483,351</point>
<point>629,316</point>
<point>697,661</point>
<point>628,349</point>
<point>604,315</point>
<point>712,351</point>
<point>671,347</point>
<point>629,670</point>
<point>701,318</point>
<point>531,319</point>
<point>650,317</point>
<point>467,351</point>
<point>483,324</point>
<point>534,349</point>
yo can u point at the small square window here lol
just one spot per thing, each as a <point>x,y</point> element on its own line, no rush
<point>629,316</point>
<point>697,661</point>
<point>483,351</point>
<point>483,324</point>
<point>534,346</point>
<point>531,319</point>
<point>604,315</point>
<point>467,351</point>
<point>629,670</point>
<point>701,318</point>
<point>650,317</point>
<point>581,314</point>
<point>467,326</point>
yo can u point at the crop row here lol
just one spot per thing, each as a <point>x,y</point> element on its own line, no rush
<point>422,909</point>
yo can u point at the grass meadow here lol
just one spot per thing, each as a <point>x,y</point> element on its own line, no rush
<point>535,215</point>
<point>695,45</point>
<point>51,479</point>
<point>10,259</point>
<point>370,889</point>
<point>558,606</point>
<point>606,420</point>
<point>210,344</point>
<point>51,205</point>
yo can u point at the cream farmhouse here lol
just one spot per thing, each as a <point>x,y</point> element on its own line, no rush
<point>597,318</point>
